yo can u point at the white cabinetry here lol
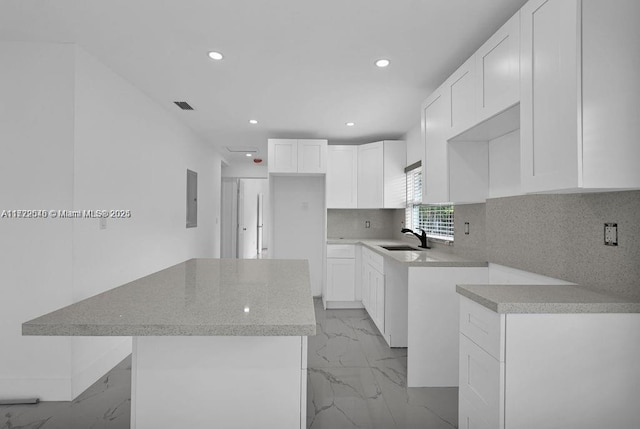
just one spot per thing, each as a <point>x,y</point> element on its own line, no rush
<point>367,176</point>
<point>341,277</point>
<point>461,87</point>
<point>370,175</point>
<point>548,370</point>
<point>342,177</point>
<point>381,178</point>
<point>373,287</point>
<point>498,71</point>
<point>579,89</point>
<point>476,105</point>
<point>291,156</point>
<point>436,113</point>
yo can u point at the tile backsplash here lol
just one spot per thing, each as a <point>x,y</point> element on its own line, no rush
<point>351,223</point>
<point>560,236</point>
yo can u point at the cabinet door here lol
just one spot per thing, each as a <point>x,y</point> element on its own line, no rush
<point>342,177</point>
<point>370,175</point>
<point>461,88</point>
<point>283,155</point>
<point>395,179</point>
<point>498,70</point>
<point>550,95</point>
<point>341,279</point>
<point>378,286</point>
<point>312,156</point>
<point>435,121</point>
<point>364,285</point>
<point>371,309</point>
<point>481,387</point>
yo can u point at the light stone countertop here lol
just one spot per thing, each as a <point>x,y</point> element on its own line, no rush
<point>434,257</point>
<point>512,299</point>
<point>201,297</point>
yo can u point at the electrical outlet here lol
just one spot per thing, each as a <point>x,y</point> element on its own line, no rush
<point>466,228</point>
<point>611,234</point>
<point>367,224</point>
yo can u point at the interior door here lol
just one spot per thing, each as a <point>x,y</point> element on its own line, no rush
<point>260,222</point>
<point>241,228</point>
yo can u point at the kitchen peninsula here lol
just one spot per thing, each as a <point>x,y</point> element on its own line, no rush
<point>216,342</point>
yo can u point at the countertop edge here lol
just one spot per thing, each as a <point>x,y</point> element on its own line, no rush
<point>29,329</point>
<point>374,244</point>
<point>549,307</point>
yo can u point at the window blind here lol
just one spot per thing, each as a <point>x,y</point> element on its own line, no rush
<point>436,220</point>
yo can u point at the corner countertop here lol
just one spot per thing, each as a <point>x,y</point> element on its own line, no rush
<point>203,297</point>
<point>520,299</point>
<point>434,257</point>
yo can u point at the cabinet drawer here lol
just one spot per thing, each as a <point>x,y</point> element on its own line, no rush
<point>375,260</point>
<point>341,251</point>
<point>481,386</point>
<point>483,327</point>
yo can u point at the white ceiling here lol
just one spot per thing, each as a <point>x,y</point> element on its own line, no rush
<point>302,68</point>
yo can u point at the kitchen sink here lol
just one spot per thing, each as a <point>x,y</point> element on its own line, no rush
<point>401,247</point>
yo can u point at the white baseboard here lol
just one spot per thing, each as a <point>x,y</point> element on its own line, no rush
<point>45,389</point>
<point>343,304</point>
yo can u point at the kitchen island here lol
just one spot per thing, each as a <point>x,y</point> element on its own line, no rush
<point>216,342</point>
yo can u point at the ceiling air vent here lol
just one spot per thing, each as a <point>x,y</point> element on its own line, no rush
<point>183,105</point>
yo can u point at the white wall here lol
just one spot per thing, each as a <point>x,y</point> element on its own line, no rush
<point>36,172</point>
<point>131,154</point>
<point>119,150</point>
<point>299,222</point>
<point>245,170</point>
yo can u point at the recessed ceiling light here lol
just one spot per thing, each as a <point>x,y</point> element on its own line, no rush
<point>215,55</point>
<point>247,154</point>
<point>350,124</point>
<point>253,121</point>
<point>382,62</point>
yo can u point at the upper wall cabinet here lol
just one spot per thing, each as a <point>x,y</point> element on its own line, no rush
<point>475,107</point>
<point>342,177</point>
<point>436,114</point>
<point>381,177</point>
<point>461,88</point>
<point>580,95</point>
<point>498,71</point>
<point>291,156</point>
<point>370,175</point>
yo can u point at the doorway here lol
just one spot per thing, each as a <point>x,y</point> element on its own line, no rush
<point>244,218</point>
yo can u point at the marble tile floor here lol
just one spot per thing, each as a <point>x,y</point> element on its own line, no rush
<point>354,381</point>
<point>104,405</point>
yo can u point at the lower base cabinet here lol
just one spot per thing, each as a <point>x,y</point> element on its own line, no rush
<point>373,294</point>
<point>548,370</point>
<point>341,275</point>
<point>342,283</point>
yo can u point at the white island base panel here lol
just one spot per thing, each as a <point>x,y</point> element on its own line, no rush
<point>433,315</point>
<point>226,382</point>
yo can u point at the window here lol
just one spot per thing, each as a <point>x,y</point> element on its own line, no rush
<point>436,220</point>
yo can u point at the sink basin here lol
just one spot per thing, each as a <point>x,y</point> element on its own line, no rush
<point>401,247</point>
